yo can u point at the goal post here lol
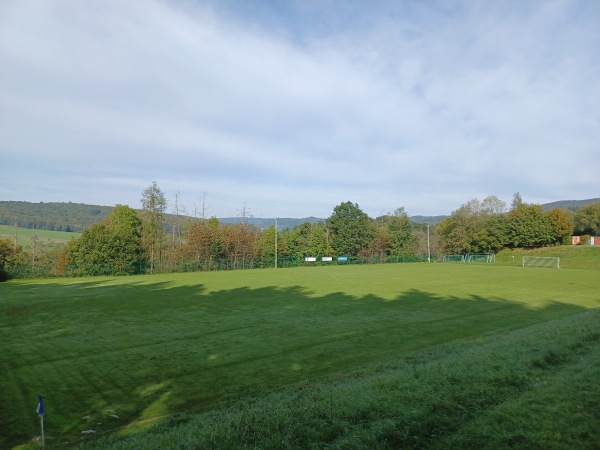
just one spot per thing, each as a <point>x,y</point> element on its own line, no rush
<point>453,258</point>
<point>481,258</point>
<point>541,261</point>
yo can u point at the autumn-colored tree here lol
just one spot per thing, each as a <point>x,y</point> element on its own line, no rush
<point>240,242</point>
<point>8,253</point>
<point>562,224</point>
<point>201,237</point>
<point>381,243</point>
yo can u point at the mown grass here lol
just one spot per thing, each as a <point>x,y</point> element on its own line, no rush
<point>156,349</point>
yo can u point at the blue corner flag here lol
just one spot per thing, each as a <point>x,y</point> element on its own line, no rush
<point>40,408</point>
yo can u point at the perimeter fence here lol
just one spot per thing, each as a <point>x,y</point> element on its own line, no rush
<point>223,264</point>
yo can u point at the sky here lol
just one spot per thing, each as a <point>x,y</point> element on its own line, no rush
<point>290,108</point>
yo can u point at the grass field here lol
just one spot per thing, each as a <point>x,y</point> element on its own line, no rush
<point>141,355</point>
<point>571,256</point>
<point>45,237</point>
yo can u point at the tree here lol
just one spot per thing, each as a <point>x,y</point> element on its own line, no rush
<point>493,237</point>
<point>8,253</point>
<point>178,209</point>
<point>403,239</point>
<point>492,205</point>
<point>587,220</point>
<point>241,243</point>
<point>475,227</point>
<point>529,227</point>
<point>112,246</point>
<point>317,240</point>
<point>154,205</point>
<point>204,241</point>
<point>516,201</point>
<point>267,245</point>
<point>562,224</point>
<point>299,241</point>
<point>351,229</point>
<point>382,242</point>
<point>458,232</point>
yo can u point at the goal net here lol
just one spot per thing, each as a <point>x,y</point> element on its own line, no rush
<point>454,258</point>
<point>541,261</point>
<point>481,258</point>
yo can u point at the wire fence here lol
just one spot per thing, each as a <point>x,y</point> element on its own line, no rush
<point>222,264</point>
<point>50,269</point>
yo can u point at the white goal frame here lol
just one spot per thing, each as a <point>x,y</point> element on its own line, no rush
<point>541,261</point>
<point>453,258</point>
<point>481,258</point>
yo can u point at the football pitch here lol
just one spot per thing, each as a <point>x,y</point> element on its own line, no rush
<point>118,354</point>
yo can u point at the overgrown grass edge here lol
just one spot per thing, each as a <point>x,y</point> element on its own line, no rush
<point>502,391</point>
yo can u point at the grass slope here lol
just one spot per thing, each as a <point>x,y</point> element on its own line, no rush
<point>530,388</point>
<point>571,256</point>
<point>121,353</point>
<point>45,237</point>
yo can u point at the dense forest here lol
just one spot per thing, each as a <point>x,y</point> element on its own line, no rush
<point>124,241</point>
<point>52,216</point>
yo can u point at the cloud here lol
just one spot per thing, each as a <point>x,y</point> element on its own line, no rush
<point>296,108</point>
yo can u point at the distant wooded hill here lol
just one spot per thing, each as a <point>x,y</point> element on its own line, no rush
<point>572,205</point>
<point>77,217</point>
<point>52,216</point>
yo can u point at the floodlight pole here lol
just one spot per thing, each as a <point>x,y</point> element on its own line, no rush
<point>428,249</point>
<point>276,242</point>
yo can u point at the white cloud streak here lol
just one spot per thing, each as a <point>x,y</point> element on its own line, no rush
<point>293,111</point>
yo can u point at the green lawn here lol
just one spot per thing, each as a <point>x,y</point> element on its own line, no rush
<point>147,347</point>
<point>45,237</point>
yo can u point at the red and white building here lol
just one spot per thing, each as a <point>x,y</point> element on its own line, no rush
<point>594,240</point>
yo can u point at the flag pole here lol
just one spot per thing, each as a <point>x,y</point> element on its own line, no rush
<point>42,425</point>
<point>40,411</point>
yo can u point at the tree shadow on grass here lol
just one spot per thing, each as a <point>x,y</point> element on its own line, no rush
<point>107,355</point>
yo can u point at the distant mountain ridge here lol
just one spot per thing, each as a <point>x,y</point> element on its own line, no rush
<point>573,205</point>
<point>282,222</point>
<point>77,217</point>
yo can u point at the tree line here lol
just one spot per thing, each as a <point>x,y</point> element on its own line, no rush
<point>51,216</point>
<point>486,226</point>
<point>130,241</point>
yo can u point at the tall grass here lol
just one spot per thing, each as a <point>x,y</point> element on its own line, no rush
<point>531,388</point>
